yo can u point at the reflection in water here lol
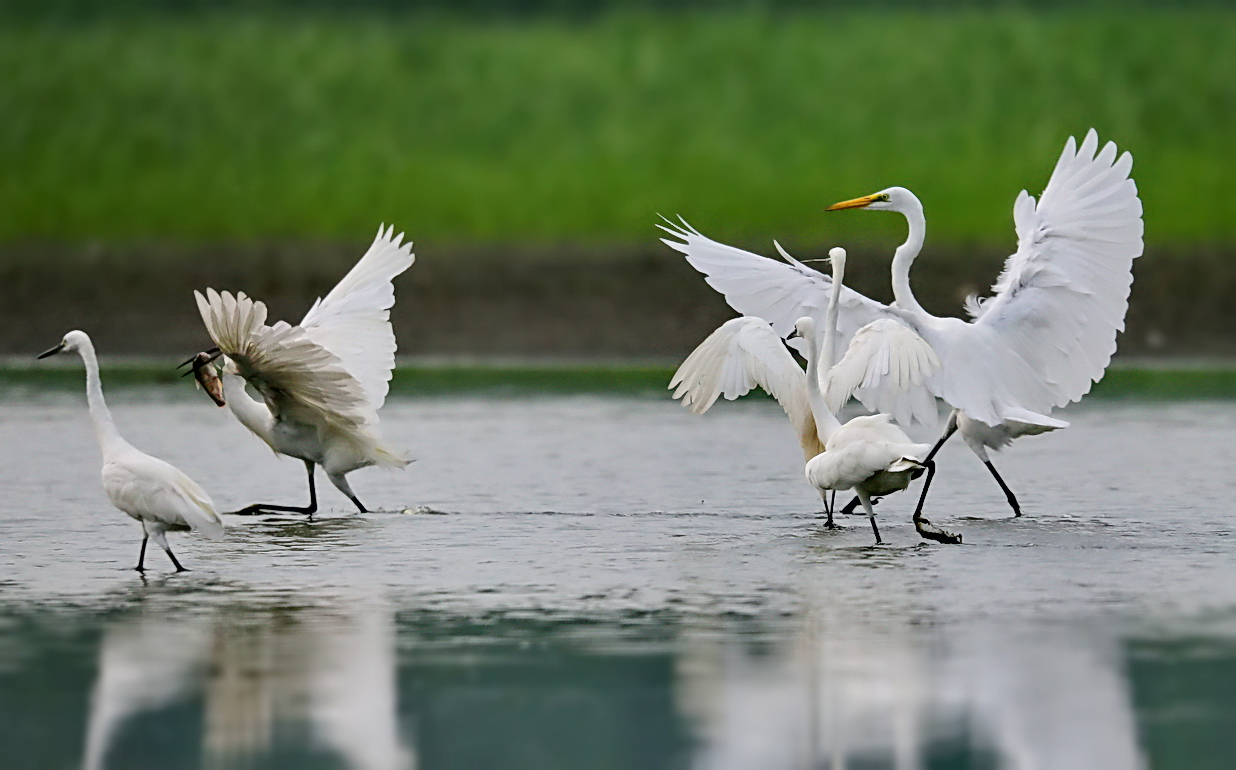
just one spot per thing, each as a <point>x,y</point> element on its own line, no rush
<point>852,688</point>
<point>681,610</point>
<point>323,670</point>
<point>328,682</point>
<point>290,682</point>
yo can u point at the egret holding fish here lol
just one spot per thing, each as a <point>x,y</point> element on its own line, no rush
<point>322,382</point>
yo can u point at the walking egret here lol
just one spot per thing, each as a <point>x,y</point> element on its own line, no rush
<point>321,382</point>
<point>1040,342</point>
<point>867,454</point>
<point>154,492</point>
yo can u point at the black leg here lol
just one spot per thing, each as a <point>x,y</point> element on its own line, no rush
<point>141,558</point>
<point>260,508</point>
<point>866,501</point>
<point>829,504</point>
<point>341,483</point>
<point>949,430</point>
<point>922,524</point>
<point>172,556</point>
<point>931,471</point>
<point>1008,493</point>
<point>848,510</point>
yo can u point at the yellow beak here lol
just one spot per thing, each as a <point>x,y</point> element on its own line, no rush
<point>854,203</point>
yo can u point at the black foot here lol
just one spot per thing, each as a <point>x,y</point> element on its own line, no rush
<point>140,569</point>
<point>932,532</point>
<point>175,561</point>
<point>258,509</point>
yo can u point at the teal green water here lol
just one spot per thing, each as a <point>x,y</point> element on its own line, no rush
<point>598,582</point>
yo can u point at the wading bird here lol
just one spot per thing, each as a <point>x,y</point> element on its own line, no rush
<point>1040,342</point>
<point>321,382</point>
<point>867,454</point>
<point>150,490</point>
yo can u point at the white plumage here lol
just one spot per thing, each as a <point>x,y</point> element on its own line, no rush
<point>867,454</point>
<point>1040,342</point>
<point>321,382</point>
<point>152,491</point>
<point>744,353</point>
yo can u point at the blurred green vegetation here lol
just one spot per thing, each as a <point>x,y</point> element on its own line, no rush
<point>1122,381</point>
<point>253,125</point>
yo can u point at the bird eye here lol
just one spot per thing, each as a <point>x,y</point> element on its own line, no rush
<point>883,197</point>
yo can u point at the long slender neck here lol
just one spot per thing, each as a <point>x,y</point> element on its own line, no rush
<point>825,421</point>
<point>829,354</point>
<point>104,426</point>
<point>252,413</point>
<point>905,255</point>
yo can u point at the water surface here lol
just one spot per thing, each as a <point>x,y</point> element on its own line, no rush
<point>612,582</point>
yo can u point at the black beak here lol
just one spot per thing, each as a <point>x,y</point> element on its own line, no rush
<point>213,353</point>
<point>200,360</point>
<point>52,352</point>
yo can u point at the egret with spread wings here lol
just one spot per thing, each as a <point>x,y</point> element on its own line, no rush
<point>154,492</point>
<point>1040,342</point>
<point>321,383</point>
<point>867,454</point>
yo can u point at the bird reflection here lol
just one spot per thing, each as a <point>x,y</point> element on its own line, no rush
<point>322,667</point>
<point>850,687</point>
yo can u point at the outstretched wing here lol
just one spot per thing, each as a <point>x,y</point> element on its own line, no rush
<point>293,373</point>
<point>1063,296</point>
<point>779,292</point>
<point>890,367</point>
<point>741,354</point>
<point>782,292</point>
<point>353,320</point>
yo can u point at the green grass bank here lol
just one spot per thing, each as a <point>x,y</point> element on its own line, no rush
<point>253,126</point>
<point>1123,381</point>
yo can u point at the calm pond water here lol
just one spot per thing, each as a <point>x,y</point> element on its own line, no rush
<point>592,582</point>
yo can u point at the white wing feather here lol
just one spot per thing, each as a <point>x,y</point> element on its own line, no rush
<point>290,371</point>
<point>1062,297</point>
<point>779,292</point>
<point>782,292</point>
<point>741,354</point>
<point>353,320</point>
<point>147,487</point>
<point>1045,337</point>
<point>891,365</point>
<point>863,447</point>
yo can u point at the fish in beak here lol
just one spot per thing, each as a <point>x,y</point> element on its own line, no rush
<point>208,377</point>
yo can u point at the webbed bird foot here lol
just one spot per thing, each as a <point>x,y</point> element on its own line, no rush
<point>932,532</point>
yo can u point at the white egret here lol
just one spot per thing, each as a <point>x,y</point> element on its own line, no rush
<point>1040,342</point>
<point>867,454</point>
<point>154,492</point>
<point>321,382</point>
